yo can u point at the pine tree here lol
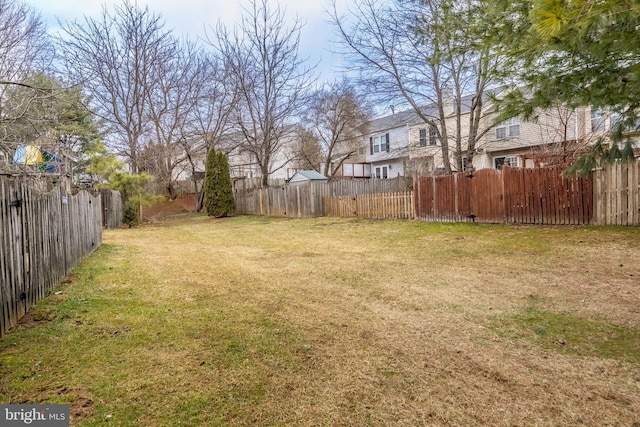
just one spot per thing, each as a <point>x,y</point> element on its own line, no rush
<point>114,175</point>
<point>219,201</point>
<point>576,53</point>
<point>211,179</point>
<point>573,54</point>
<point>226,201</point>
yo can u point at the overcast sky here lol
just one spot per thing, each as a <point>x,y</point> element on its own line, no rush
<point>190,17</point>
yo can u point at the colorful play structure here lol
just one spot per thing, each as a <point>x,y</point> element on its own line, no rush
<point>42,160</point>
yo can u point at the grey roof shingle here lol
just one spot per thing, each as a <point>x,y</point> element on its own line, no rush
<point>408,117</point>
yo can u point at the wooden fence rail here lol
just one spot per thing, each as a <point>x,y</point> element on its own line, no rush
<point>512,195</point>
<point>42,237</point>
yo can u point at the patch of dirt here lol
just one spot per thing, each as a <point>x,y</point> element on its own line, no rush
<point>39,314</point>
<point>28,321</point>
<point>168,209</point>
<point>81,404</point>
<point>82,408</point>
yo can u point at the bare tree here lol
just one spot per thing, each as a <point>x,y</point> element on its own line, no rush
<point>424,53</point>
<point>25,47</point>
<point>271,80</point>
<point>215,100</point>
<point>334,115</point>
<point>114,58</point>
<point>309,153</point>
<point>25,51</point>
<point>173,99</point>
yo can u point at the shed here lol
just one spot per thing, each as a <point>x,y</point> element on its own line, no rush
<point>304,176</point>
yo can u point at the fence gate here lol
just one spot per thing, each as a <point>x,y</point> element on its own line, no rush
<point>481,196</point>
<point>465,196</point>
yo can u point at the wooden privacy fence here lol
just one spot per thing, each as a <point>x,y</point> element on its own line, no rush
<point>544,196</point>
<point>513,195</point>
<point>306,200</point>
<point>377,206</point>
<point>112,211</point>
<point>300,201</point>
<point>617,194</point>
<point>43,236</point>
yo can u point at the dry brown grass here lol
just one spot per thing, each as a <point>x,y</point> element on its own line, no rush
<point>253,321</point>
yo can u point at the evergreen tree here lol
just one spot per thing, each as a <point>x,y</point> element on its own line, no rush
<point>226,201</point>
<point>211,179</point>
<point>219,200</point>
<point>572,53</point>
<point>577,53</point>
<point>113,174</point>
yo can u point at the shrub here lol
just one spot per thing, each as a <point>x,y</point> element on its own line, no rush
<point>130,214</point>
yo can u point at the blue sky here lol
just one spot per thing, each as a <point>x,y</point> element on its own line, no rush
<point>191,17</point>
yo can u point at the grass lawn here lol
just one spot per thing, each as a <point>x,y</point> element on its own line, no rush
<point>263,321</point>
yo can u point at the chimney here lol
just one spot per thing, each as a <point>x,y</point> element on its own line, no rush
<point>448,100</point>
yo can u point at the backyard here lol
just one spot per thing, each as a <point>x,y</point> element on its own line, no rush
<point>263,321</point>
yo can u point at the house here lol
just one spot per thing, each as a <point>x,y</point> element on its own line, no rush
<point>520,143</point>
<point>403,144</point>
<point>385,147</point>
<point>305,176</point>
<point>244,165</point>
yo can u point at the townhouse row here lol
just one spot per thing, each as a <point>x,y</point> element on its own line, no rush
<point>403,144</point>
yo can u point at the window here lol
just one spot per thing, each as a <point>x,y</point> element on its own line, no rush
<point>615,121</point>
<point>423,137</point>
<point>361,151</point>
<point>597,120</point>
<point>514,127</point>
<point>500,162</point>
<point>382,172</point>
<point>510,128</point>
<point>431,136</point>
<point>379,143</point>
<point>618,123</point>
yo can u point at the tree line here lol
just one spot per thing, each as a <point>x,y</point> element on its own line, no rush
<point>160,102</point>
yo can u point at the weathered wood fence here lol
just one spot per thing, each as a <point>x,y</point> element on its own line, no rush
<point>617,194</point>
<point>307,200</point>
<point>112,211</point>
<point>42,237</point>
<point>378,206</point>
<point>513,195</point>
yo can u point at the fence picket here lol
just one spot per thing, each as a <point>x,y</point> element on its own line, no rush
<point>43,237</point>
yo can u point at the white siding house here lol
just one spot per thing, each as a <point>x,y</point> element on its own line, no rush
<point>403,144</point>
